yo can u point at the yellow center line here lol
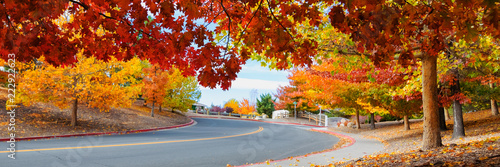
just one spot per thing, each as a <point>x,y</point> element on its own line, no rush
<point>136,144</point>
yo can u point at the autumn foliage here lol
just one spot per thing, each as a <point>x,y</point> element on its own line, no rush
<point>270,31</point>
<point>90,81</point>
<point>246,107</point>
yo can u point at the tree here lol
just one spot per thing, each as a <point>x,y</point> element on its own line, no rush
<point>128,31</point>
<point>217,109</point>
<point>266,104</point>
<point>169,88</point>
<point>481,64</point>
<point>228,109</point>
<point>246,107</point>
<point>92,82</point>
<point>181,92</point>
<point>386,27</point>
<point>155,84</point>
<point>232,106</point>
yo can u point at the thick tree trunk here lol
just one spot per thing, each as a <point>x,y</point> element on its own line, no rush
<point>73,112</point>
<point>442,120</point>
<point>159,110</point>
<point>446,114</point>
<point>153,110</point>
<point>494,105</point>
<point>406,123</point>
<point>431,134</point>
<point>372,120</point>
<point>358,124</point>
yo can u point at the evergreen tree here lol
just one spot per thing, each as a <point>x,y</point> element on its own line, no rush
<point>265,104</point>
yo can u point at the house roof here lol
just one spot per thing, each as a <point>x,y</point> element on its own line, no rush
<point>199,104</point>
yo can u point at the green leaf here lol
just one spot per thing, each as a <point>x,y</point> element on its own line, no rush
<point>371,78</point>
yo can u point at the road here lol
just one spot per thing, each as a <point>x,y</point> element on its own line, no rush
<point>210,142</point>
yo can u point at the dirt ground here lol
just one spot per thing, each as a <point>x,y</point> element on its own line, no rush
<point>480,146</point>
<point>45,119</point>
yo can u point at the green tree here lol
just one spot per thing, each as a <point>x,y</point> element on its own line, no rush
<point>182,91</point>
<point>265,104</point>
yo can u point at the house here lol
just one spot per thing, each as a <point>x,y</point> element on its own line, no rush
<point>198,106</point>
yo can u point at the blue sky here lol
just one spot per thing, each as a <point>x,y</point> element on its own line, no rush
<point>251,76</point>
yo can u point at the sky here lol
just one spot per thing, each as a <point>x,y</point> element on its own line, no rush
<point>252,76</point>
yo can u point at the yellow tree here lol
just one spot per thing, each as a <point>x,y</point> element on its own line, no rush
<point>89,81</point>
<point>181,92</point>
<point>233,104</point>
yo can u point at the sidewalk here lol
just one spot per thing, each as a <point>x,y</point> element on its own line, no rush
<point>360,148</point>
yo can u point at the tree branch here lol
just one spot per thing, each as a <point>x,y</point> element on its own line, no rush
<point>229,26</point>
<point>246,26</point>
<point>86,7</point>
<point>275,18</point>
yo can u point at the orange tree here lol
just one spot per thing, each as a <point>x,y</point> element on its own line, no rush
<point>246,107</point>
<point>155,83</point>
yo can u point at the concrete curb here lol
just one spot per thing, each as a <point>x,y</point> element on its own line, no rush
<point>244,119</point>
<point>100,133</point>
<point>352,141</point>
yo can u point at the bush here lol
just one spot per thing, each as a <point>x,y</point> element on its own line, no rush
<point>388,117</point>
<point>362,118</point>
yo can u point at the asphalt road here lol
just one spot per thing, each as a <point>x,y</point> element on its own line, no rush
<point>211,142</point>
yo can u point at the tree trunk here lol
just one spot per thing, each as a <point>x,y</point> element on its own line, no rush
<point>446,114</point>
<point>358,124</point>
<point>159,109</point>
<point>494,106</point>
<point>458,120</point>
<point>406,123</point>
<point>442,119</point>
<point>431,134</point>
<point>372,120</point>
<point>153,110</point>
<point>73,112</point>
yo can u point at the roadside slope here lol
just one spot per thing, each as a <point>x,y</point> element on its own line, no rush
<point>47,120</point>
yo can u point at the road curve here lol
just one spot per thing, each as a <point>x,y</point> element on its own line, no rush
<point>211,142</point>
